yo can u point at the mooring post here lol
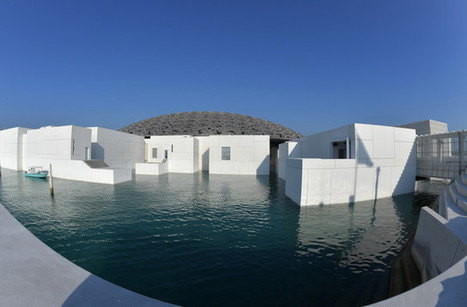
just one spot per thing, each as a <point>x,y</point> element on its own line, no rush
<point>0,169</point>
<point>51,181</point>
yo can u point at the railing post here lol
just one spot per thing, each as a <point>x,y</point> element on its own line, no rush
<point>461,151</point>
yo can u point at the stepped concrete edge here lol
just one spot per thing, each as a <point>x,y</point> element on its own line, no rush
<point>440,251</point>
<point>446,289</point>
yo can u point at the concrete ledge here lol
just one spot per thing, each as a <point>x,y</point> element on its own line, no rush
<point>32,274</point>
<point>436,247</point>
<point>446,289</point>
<point>440,251</point>
<point>151,168</point>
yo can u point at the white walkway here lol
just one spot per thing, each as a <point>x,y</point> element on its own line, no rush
<point>32,274</point>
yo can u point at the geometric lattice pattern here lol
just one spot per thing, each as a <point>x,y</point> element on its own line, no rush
<point>210,123</point>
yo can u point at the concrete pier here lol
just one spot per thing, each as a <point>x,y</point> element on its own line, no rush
<point>32,274</point>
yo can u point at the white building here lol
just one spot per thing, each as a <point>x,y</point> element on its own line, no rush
<point>11,148</point>
<point>69,150</point>
<point>106,156</point>
<point>217,154</point>
<point>117,149</point>
<point>428,126</point>
<point>352,163</point>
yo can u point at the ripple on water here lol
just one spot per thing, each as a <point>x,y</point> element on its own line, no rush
<point>219,240</point>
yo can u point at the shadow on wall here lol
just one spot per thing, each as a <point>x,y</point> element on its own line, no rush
<point>405,183</point>
<point>362,157</point>
<point>378,171</point>
<point>263,168</point>
<point>453,293</point>
<point>205,161</point>
<point>405,180</point>
<point>97,152</point>
<point>296,151</point>
<point>94,291</point>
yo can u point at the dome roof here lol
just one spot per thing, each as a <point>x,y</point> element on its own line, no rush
<point>210,123</point>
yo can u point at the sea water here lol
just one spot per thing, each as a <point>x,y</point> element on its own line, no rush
<point>210,240</point>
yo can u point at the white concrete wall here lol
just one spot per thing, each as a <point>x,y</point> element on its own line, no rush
<point>49,144</point>
<point>446,289</point>
<point>151,168</point>
<point>181,159</point>
<point>117,149</point>
<point>287,150</point>
<point>392,150</point>
<point>249,154</point>
<point>427,127</point>
<point>202,150</point>
<point>436,247</point>
<point>65,147</point>
<point>185,154</point>
<point>383,164</point>
<point>196,155</point>
<point>80,171</point>
<point>11,148</point>
<point>295,181</point>
<point>320,145</point>
<point>82,147</point>
<point>440,252</point>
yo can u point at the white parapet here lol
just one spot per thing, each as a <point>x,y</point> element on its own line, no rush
<point>79,170</point>
<point>437,246</point>
<point>446,289</point>
<point>441,240</point>
<point>151,168</point>
<point>440,252</point>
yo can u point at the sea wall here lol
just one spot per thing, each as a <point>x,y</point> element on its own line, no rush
<point>446,289</point>
<point>440,252</point>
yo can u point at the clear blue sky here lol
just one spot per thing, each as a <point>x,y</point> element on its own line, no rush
<point>308,65</point>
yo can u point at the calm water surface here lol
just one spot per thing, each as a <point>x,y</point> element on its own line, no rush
<point>202,239</point>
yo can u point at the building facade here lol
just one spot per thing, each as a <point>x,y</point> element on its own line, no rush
<point>107,156</point>
<point>353,163</point>
<point>428,126</point>
<point>216,154</point>
<point>69,149</point>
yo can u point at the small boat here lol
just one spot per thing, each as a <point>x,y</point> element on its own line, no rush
<point>36,172</point>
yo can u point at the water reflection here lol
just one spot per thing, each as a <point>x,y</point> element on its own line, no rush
<point>361,239</point>
<point>200,239</point>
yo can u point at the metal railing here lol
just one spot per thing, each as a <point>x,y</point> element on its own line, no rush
<point>442,155</point>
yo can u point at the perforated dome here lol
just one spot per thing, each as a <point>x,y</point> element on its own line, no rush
<point>210,123</point>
